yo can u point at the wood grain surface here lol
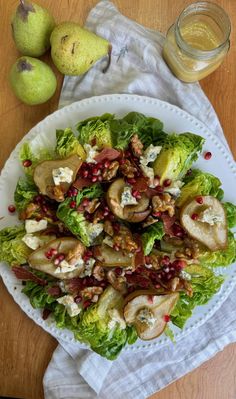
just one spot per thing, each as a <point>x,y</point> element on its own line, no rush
<point>25,349</point>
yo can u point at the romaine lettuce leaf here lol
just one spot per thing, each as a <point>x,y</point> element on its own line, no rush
<point>94,327</point>
<point>74,220</point>
<point>151,234</point>
<point>178,153</point>
<point>96,131</point>
<point>204,284</point>
<point>67,144</point>
<point>230,214</point>
<point>25,191</point>
<point>147,128</point>
<point>224,257</point>
<point>12,249</point>
<point>199,183</point>
<point>26,153</point>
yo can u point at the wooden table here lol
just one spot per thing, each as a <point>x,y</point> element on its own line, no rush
<point>26,349</point>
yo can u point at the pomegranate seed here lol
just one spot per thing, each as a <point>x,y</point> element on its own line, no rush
<point>78,299</point>
<point>74,191</point>
<point>87,255</point>
<point>96,171</point>
<point>107,164</point>
<point>156,214</point>
<point>159,189</point>
<point>59,258</point>
<point>94,179</point>
<point>157,177</point>
<point>116,247</point>
<point>38,199</point>
<point>85,202</point>
<point>150,298</point>
<point>85,173</point>
<point>179,265</point>
<point>169,276</point>
<point>73,204</point>
<point>48,254</point>
<point>103,284</point>
<point>116,227</point>
<point>111,217</point>
<point>178,231</point>
<point>194,216</point>
<point>11,208</point>
<point>207,155</point>
<point>53,251</point>
<point>166,269</point>
<point>166,318</point>
<point>86,304</point>
<point>100,178</point>
<point>118,271</point>
<point>122,161</point>
<point>127,154</point>
<point>69,193</point>
<point>136,194</point>
<point>27,163</point>
<point>131,181</point>
<point>167,183</point>
<point>165,260</point>
<point>157,286</point>
<point>45,208</point>
<point>199,200</point>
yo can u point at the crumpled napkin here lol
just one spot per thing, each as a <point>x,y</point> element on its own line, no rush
<point>137,67</point>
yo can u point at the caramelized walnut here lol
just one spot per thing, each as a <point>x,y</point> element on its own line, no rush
<point>128,170</point>
<point>137,146</point>
<point>164,203</point>
<point>124,240</point>
<point>110,172</point>
<point>75,254</point>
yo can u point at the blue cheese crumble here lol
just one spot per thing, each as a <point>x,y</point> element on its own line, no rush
<point>62,175</point>
<point>127,197</point>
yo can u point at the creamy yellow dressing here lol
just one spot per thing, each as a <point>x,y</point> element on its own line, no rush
<point>200,32</point>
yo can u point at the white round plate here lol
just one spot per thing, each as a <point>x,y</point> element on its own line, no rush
<point>175,120</point>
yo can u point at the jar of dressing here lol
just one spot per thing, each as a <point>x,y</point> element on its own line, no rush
<point>198,41</point>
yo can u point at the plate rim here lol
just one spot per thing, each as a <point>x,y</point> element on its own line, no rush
<point>5,271</point>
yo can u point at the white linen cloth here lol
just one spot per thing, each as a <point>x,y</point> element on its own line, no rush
<point>137,67</point>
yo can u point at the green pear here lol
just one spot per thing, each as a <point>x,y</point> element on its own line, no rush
<point>75,50</point>
<point>32,81</point>
<point>32,26</point>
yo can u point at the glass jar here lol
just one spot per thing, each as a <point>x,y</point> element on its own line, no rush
<point>198,41</point>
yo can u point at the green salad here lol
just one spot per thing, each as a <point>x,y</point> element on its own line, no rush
<point>120,236</point>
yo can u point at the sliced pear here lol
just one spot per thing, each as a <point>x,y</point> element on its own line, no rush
<point>43,174</point>
<point>131,213</point>
<point>108,257</point>
<point>213,236</point>
<point>38,260</point>
<point>146,313</point>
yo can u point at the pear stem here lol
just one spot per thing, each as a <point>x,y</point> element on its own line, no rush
<point>22,2</point>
